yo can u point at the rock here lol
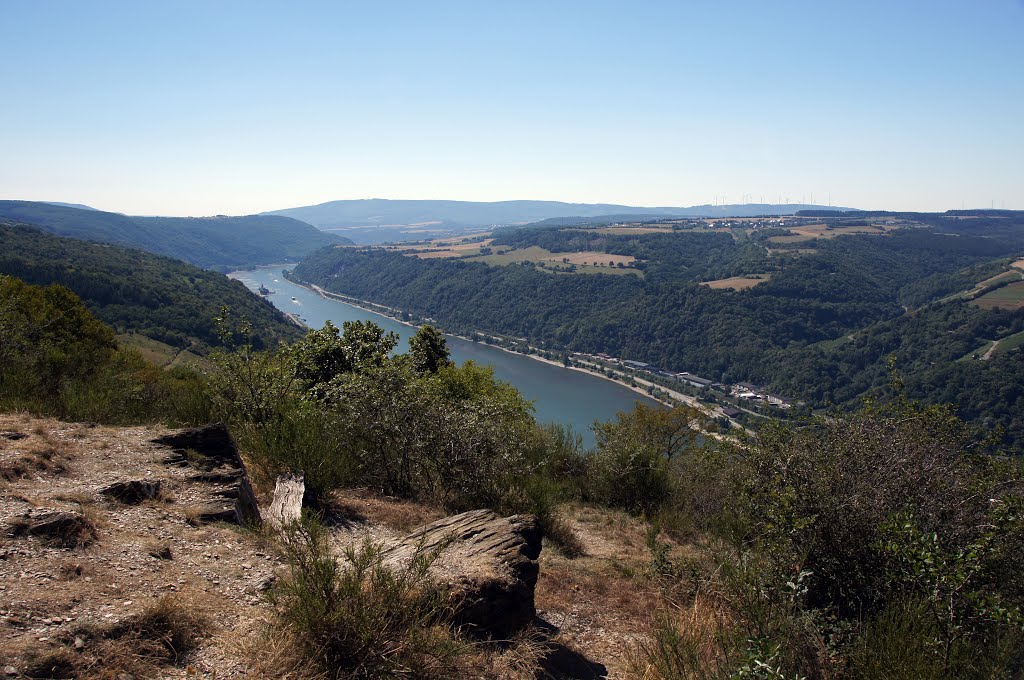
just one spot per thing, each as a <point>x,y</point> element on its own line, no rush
<point>161,552</point>
<point>488,564</point>
<point>286,508</point>
<point>211,449</point>
<point>212,443</point>
<point>79,643</point>
<point>134,491</point>
<point>57,528</point>
<point>10,670</point>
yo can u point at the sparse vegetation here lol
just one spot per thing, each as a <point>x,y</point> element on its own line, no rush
<point>357,617</point>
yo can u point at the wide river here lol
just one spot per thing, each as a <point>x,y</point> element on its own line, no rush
<point>559,395</point>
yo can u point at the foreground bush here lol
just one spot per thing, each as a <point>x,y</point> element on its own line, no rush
<point>874,544</point>
<point>57,359</point>
<point>357,618</point>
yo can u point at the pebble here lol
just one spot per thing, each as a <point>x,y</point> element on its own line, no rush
<point>79,643</point>
<point>10,670</point>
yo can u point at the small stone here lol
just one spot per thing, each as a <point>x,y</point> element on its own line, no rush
<point>246,565</point>
<point>10,670</point>
<point>79,643</point>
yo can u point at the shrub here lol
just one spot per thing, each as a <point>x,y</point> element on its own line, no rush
<point>357,617</point>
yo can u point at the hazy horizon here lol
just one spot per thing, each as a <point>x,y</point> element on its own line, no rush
<point>239,108</point>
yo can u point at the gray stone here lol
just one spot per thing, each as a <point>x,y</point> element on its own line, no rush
<point>134,491</point>
<point>487,564</point>
<point>211,449</point>
<point>57,528</point>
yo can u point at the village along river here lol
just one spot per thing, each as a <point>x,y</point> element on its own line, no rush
<point>559,395</point>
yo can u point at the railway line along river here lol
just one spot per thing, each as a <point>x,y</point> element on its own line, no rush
<point>559,395</point>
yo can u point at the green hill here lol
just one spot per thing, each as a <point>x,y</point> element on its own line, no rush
<point>220,242</point>
<point>137,292</point>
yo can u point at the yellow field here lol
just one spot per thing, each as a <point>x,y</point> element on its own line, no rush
<point>591,257</point>
<point>634,230</point>
<point>1019,264</point>
<point>436,254</point>
<point>738,282</point>
<point>1010,296</point>
<point>821,230</point>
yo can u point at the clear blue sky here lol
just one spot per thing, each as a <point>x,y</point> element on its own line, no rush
<point>237,107</point>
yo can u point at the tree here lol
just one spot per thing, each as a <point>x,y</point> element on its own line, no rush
<point>429,350</point>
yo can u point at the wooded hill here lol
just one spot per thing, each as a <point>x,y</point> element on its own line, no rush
<point>835,298</point>
<point>137,292</point>
<point>220,242</point>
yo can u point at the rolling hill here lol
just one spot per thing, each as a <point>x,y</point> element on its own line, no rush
<point>136,292</point>
<point>377,220</point>
<point>220,242</point>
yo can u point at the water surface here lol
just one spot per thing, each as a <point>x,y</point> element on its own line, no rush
<point>559,395</point>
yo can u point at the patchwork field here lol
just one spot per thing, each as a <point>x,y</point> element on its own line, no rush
<point>738,282</point>
<point>634,230</point>
<point>1010,296</point>
<point>814,231</point>
<point>592,257</point>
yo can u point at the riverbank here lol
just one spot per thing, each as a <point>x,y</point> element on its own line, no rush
<point>639,386</point>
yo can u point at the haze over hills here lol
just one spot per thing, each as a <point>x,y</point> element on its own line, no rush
<point>376,220</point>
<point>221,242</point>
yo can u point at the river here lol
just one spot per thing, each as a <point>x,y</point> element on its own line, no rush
<point>559,395</point>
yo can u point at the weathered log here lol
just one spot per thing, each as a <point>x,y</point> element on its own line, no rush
<point>286,507</point>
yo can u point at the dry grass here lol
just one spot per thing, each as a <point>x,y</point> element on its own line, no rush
<point>138,646</point>
<point>738,282</point>
<point>634,230</point>
<point>399,515</point>
<point>1019,264</point>
<point>591,257</point>
<point>1010,296</point>
<point>35,455</point>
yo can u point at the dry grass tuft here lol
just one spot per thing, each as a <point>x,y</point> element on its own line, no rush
<point>140,645</point>
<point>396,514</point>
<point>43,457</point>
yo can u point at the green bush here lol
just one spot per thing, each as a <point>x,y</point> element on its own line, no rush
<point>359,618</point>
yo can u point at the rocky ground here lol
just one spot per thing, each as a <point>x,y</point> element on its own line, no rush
<point>81,570</point>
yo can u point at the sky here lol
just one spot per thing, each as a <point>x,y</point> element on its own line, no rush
<point>222,107</point>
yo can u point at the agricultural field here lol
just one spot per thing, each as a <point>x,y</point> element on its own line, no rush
<point>580,263</point>
<point>810,232</point>
<point>737,282</point>
<point>628,231</point>
<point>1019,264</point>
<point>1010,296</point>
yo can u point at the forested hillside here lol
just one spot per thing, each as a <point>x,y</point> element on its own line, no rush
<point>212,242</point>
<point>134,291</point>
<point>824,302</point>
